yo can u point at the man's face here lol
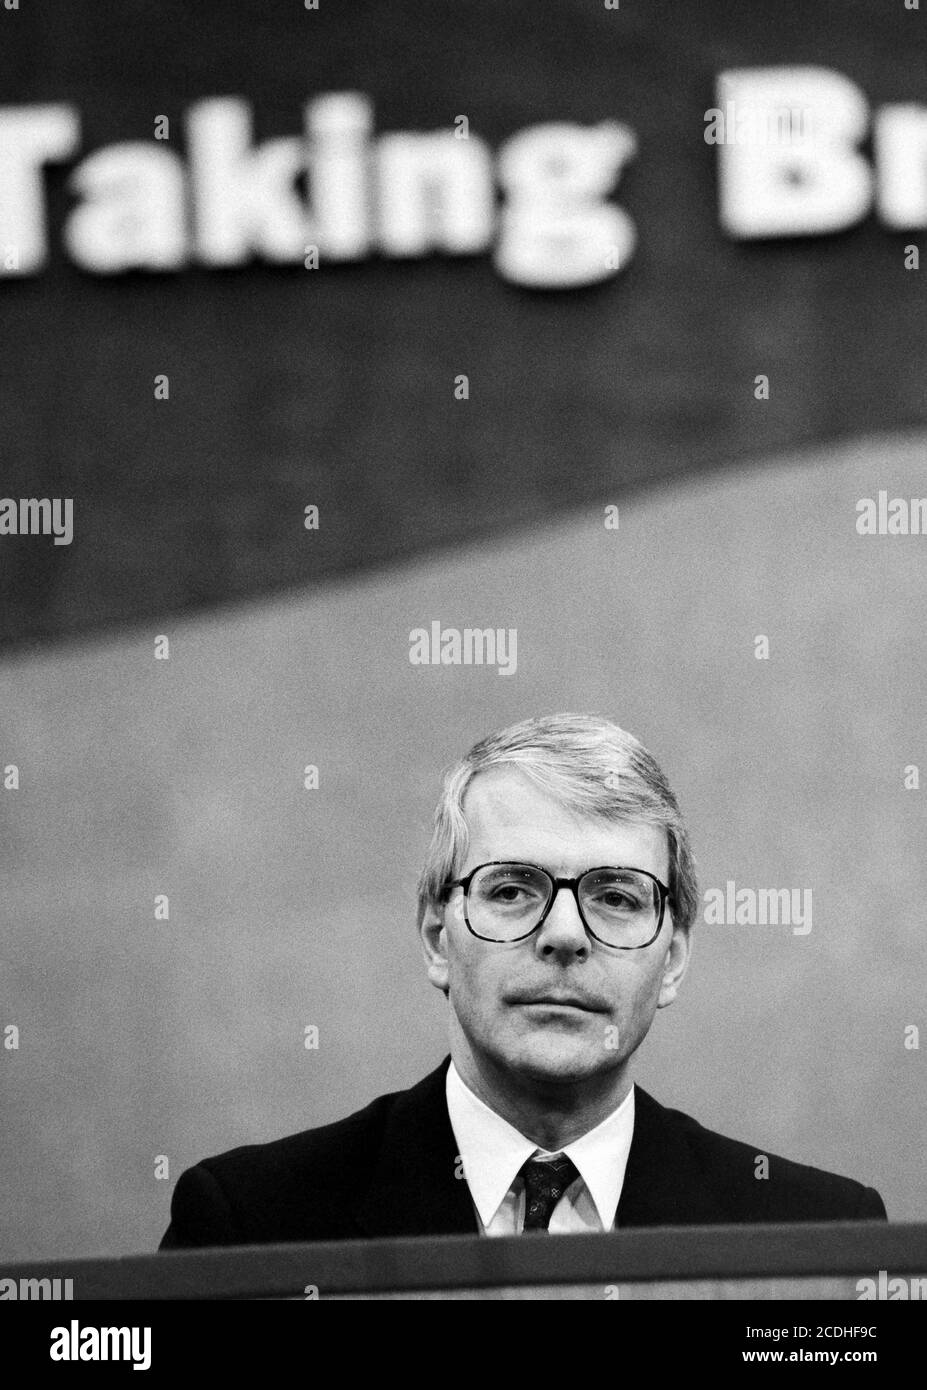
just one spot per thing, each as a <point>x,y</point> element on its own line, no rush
<point>500,992</point>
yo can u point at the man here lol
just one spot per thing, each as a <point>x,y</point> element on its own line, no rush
<point>555,911</point>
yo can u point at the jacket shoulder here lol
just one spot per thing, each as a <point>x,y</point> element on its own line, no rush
<point>752,1184</point>
<point>300,1187</point>
<point>341,1145</point>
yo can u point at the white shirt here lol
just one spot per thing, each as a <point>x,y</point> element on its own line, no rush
<point>493,1151</point>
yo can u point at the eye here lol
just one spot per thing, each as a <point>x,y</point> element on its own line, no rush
<point>622,896</point>
<point>612,898</point>
<point>506,887</point>
<point>617,901</point>
<point>510,892</point>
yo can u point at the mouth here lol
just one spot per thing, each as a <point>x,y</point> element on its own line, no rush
<point>557,1001</point>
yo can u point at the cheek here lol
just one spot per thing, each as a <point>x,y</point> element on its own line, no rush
<point>646,986</point>
<point>477,977</point>
<point>463,964</point>
<point>635,987</point>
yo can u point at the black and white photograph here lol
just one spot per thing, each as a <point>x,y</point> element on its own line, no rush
<point>463,586</point>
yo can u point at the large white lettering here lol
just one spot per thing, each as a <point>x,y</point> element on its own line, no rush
<point>799,176</point>
<point>556,228</point>
<point>30,136</point>
<point>132,210</point>
<point>542,206</point>
<point>245,197</point>
<point>900,144</point>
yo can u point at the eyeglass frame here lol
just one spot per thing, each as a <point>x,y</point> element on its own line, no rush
<point>558,883</point>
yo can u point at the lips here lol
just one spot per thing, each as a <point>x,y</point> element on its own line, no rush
<point>571,1000</point>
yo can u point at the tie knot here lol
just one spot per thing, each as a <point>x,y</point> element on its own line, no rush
<point>546,1180</point>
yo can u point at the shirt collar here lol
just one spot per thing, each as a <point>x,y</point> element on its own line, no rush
<point>493,1151</point>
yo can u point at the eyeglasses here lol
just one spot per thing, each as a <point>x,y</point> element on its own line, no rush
<point>505,902</point>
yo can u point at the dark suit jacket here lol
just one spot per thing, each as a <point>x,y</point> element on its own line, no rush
<point>389,1170</point>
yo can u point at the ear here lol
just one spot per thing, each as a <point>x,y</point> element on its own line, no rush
<point>675,966</point>
<point>434,946</point>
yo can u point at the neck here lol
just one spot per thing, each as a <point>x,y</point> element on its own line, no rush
<point>549,1111</point>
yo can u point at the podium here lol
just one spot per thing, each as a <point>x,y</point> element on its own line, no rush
<point>833,1260</point>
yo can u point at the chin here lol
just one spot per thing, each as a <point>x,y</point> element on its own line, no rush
<point>559,1059</point>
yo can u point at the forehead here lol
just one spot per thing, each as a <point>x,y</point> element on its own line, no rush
<point>509,817</point>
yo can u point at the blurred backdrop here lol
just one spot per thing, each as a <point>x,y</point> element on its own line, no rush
<point>600,380</point>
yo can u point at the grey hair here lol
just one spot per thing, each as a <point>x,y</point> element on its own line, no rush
<point>588,765</point>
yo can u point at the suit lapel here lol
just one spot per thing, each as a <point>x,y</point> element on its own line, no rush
<point>663,1185</point>
<point>413,1190</point>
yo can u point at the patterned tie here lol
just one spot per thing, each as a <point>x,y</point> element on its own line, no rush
<point>545,1184</point>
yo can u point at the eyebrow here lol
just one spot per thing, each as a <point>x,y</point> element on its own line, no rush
<point>560,872</point>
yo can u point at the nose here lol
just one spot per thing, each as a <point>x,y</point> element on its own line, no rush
<point>562,932</point>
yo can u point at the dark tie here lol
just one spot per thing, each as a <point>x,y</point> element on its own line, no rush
<point>545,1184</point>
